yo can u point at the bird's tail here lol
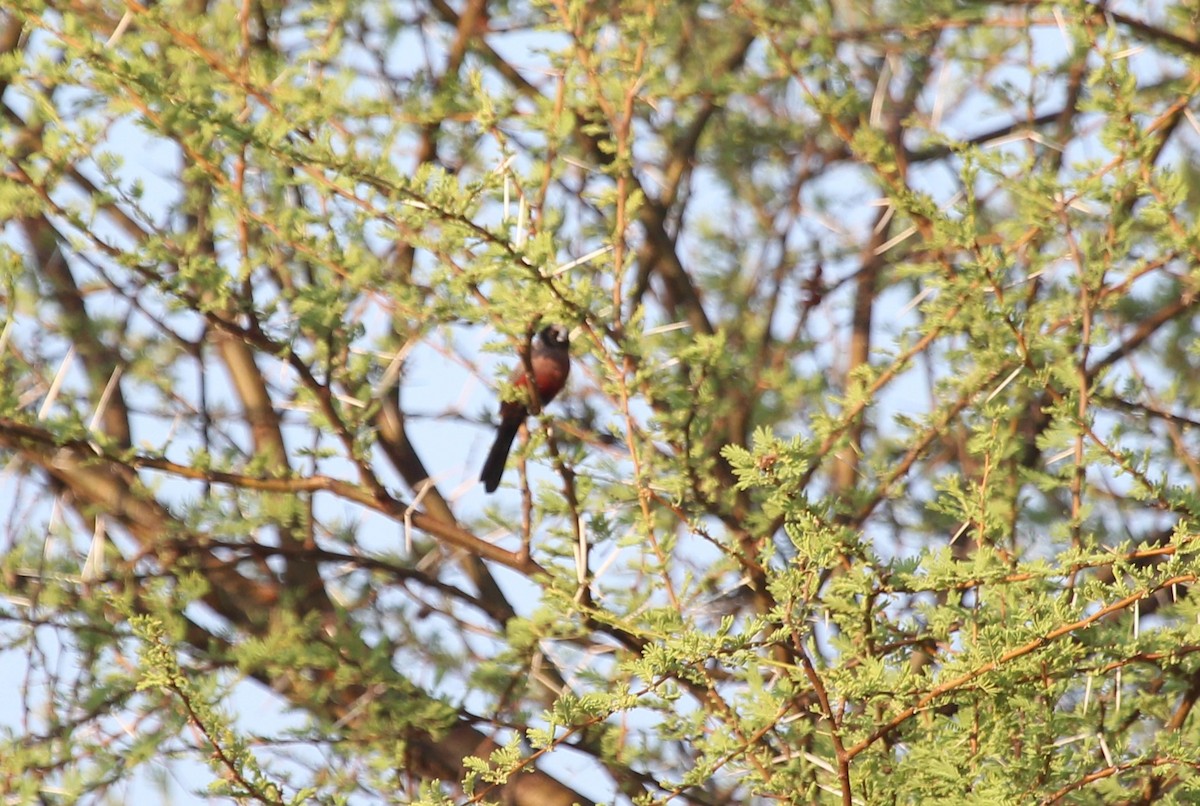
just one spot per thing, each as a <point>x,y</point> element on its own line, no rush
<point>497,457</point>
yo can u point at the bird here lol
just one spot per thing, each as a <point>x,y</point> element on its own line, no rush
<point>550,360</point>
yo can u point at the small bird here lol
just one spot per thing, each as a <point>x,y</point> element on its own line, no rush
<point>551,363</point>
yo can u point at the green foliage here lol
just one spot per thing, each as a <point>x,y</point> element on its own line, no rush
<point>874,481</point>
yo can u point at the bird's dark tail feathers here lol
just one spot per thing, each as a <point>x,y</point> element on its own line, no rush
<point>497,457</point>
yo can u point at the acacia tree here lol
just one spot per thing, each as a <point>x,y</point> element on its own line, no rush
<point>873,482</point>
